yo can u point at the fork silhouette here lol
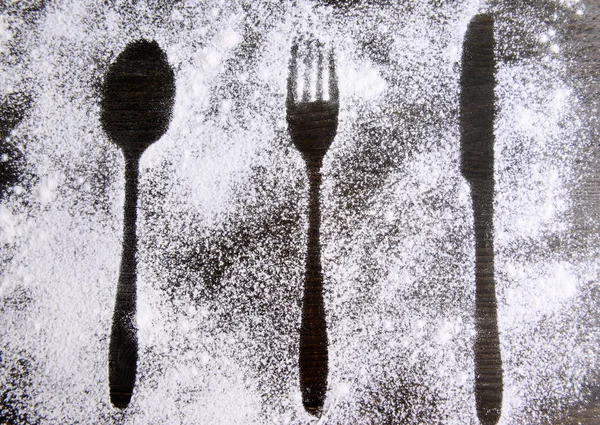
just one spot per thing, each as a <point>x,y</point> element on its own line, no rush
<point>312,125</point>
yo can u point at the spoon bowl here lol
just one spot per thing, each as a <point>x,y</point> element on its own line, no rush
<point>137,97</point>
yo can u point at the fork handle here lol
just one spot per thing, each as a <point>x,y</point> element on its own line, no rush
<point>313,330</point>
<point>123,348</point>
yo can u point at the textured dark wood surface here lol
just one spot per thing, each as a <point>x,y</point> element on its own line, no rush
<point>582,54</point>
<point>12,110</point>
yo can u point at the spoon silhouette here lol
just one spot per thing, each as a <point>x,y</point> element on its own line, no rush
<point>136,108</point>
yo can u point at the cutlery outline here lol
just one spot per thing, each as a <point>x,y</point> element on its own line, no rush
<point>312,125</point>
<point>136,108</point>
<point>477,112</point>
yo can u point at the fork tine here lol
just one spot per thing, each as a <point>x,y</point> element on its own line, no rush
<point>320,71</point>
<point>334,94</point>
<point>292,83</point>
<point>308,60</point>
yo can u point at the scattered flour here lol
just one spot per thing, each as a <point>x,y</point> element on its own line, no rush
<point>222,219</point>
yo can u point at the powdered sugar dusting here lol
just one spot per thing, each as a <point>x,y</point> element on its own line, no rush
<point>222,219</point>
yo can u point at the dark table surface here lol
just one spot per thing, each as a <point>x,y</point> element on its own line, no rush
<point>218,276</point>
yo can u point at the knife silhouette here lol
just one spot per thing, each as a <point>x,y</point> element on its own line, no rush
<point>477,111</point>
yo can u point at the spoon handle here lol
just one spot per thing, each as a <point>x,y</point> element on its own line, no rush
<point>313,331</point>
<point>122,363</point>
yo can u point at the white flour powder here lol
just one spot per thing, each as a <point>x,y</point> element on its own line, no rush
<point>222,219</point>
